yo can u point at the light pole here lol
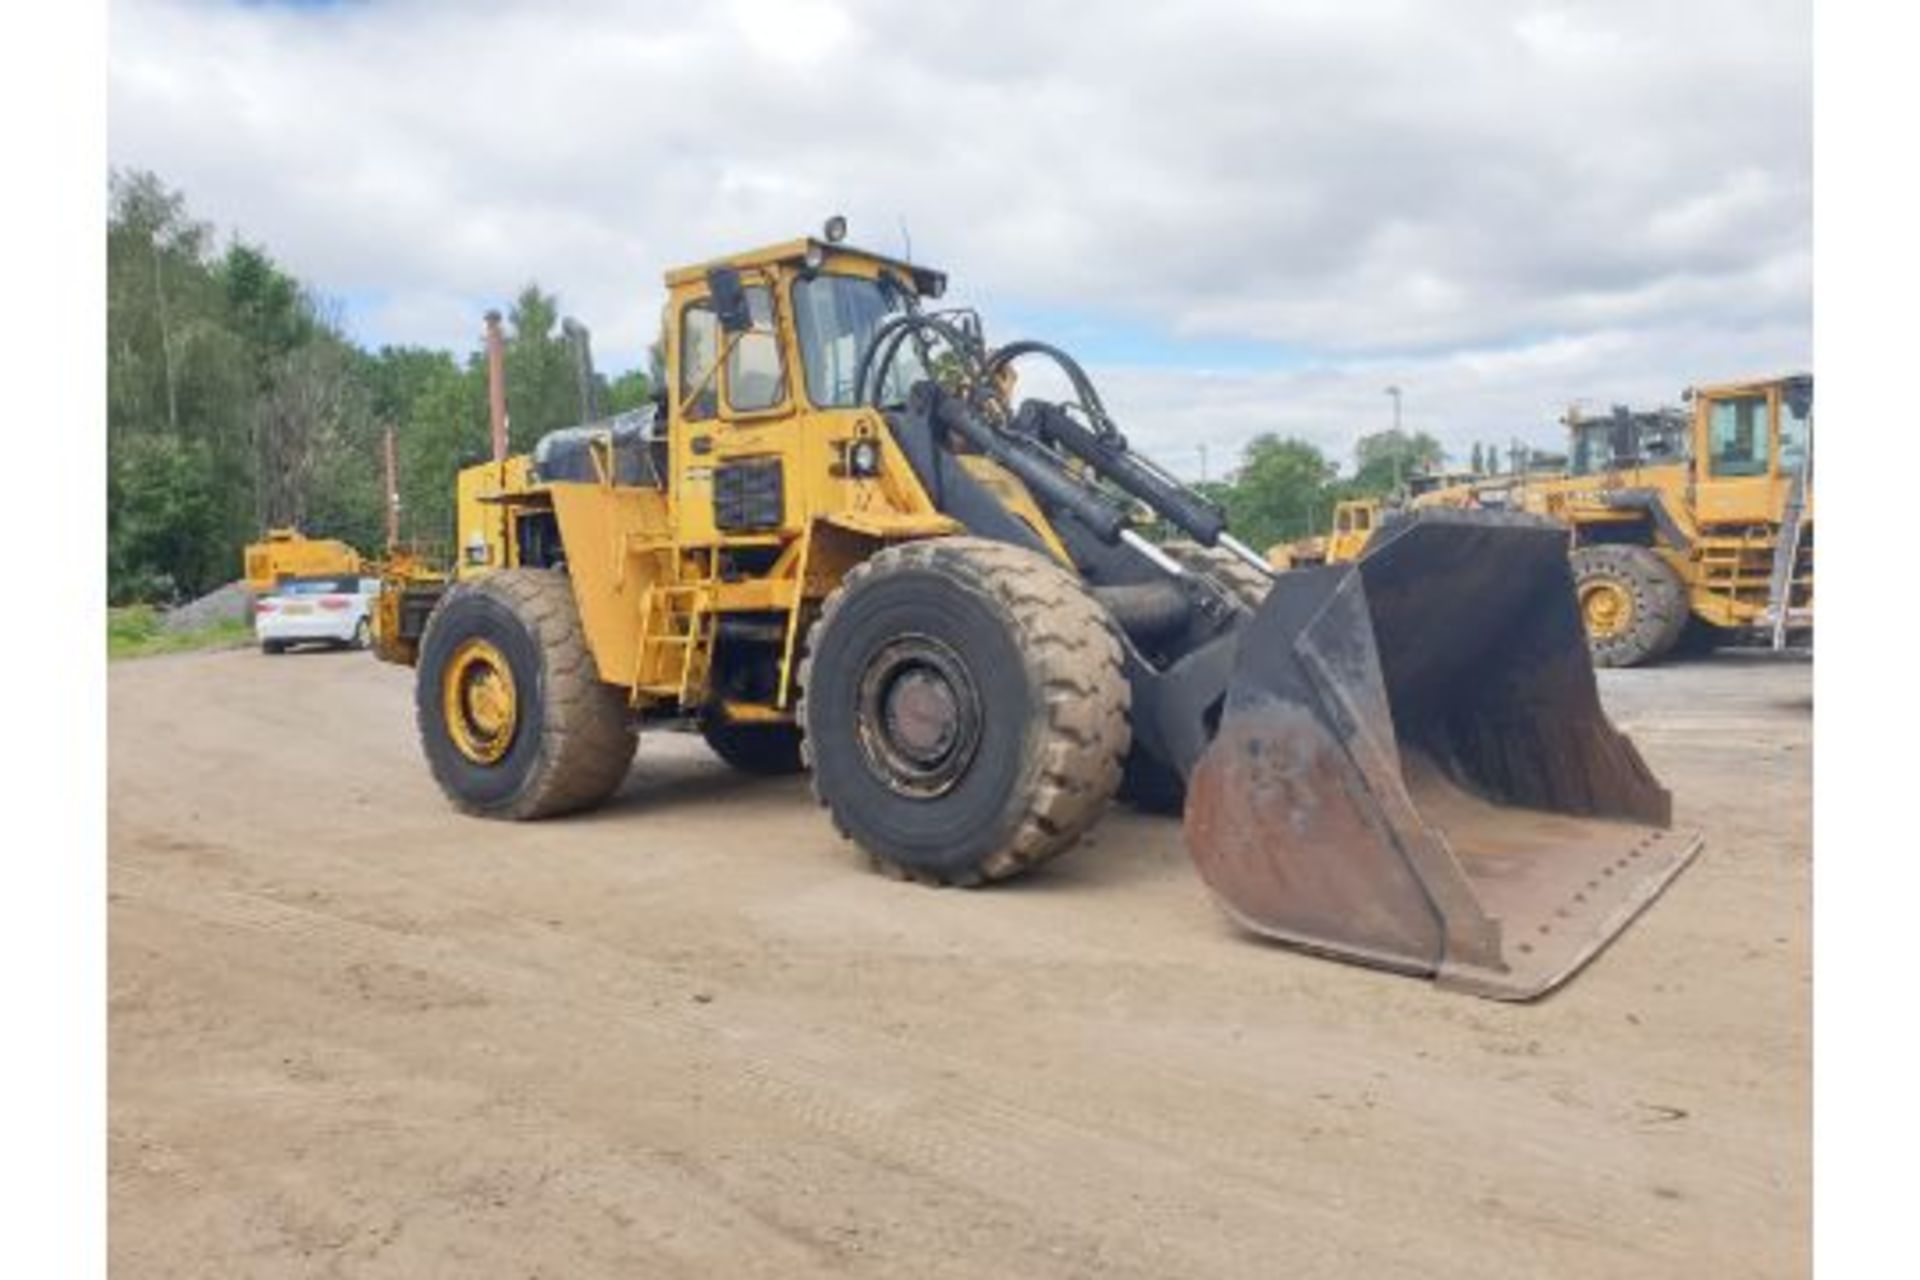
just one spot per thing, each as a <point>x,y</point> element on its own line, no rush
<point>1395,393</point>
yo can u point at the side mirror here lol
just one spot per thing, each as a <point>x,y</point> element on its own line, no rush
<point>729,300</point>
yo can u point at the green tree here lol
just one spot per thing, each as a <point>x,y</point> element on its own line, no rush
<point>1278,491</point>
<point>542,386</point>
<point>628,391</point>
<point>1388,457</point>
<point>443,428</point>
<point>164,520</point>
<point>176,371</point>
<point>224,363</point>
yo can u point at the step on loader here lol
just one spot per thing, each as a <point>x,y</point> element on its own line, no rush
<point>840,542</point>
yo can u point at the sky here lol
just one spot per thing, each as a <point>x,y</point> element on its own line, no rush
<point>1242,217</point>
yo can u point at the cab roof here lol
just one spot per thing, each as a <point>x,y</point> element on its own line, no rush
<point>926,281</point>
<point>1747,386</point>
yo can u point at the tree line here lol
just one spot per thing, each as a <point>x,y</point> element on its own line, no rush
<point>237,403</point>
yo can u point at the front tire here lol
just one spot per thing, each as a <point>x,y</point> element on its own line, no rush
<point>1632,603</point>
<point>512,714</point>
<point>964,709</point>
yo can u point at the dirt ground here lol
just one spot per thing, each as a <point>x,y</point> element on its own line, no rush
<point>354,1034</point>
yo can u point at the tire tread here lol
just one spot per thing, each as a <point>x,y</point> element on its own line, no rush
<point>587,739</point>
<point>1073,658</point>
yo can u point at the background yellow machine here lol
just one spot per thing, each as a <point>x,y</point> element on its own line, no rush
<point>287,553</point>
<point>836,544</point>
<point>1684,529</point>
<point>1683,537</point>
<point>1353,523</point>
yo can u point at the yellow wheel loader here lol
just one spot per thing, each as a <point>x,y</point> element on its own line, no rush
<point>837,545</point>
<point>1354,520</point>
<point>1685,529</point>
<point>1690,529</point>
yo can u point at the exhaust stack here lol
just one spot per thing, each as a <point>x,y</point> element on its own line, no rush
<point>497,385</point>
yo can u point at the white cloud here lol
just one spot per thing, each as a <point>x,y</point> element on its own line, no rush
<point>1486,396</point>
<point>1451,196</point>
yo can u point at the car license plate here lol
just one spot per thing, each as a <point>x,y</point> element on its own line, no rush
<point>298,608</point>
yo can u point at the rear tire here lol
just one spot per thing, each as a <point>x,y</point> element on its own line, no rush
<point>555,739</point>
<point>273,648</point>
<point>964,709</point>
<point>766,750</point>
<point>1632,604</point>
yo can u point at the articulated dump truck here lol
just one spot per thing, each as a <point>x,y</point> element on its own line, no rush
<point>839,545</point>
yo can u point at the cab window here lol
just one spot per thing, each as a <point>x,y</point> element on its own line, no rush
<point>1362,518</point>
<point>836,317</point>
<point>755,380</point>
<point>1343,520</point>
<point>1794,429</point>
<point>699,350</point>
<point>1737,436</point>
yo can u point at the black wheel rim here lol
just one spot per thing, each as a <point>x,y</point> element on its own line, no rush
<point>919,716</point>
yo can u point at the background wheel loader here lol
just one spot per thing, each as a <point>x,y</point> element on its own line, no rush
<point>1685,530</point>
<point>1690,530</point>
<point>839,546</point>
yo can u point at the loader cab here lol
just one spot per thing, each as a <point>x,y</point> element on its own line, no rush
<point>1623,440</point>
<point>1750,440</point>
<point>1353,524</point>
<point>763,361</point>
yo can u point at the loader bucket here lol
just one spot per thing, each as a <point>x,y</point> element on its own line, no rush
<point>1413,770</point>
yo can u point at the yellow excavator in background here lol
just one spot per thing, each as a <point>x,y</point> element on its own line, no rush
<point>836,544</point>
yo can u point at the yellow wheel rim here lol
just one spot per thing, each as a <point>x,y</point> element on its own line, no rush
<point>478,700</point>
<point>1607,608</point>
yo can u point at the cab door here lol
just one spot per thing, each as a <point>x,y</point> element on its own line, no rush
<point>1738,479</point>
<point>734,422</point>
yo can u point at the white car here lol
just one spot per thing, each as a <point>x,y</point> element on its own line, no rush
<point>333,611</point>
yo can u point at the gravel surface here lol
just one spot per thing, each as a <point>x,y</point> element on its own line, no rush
<point>232,602</point>
<point>355,1034</point>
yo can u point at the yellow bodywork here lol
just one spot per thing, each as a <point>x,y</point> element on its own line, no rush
<point>287,553</point>
<point>1353,523</point>
<point>1716,530</point>
<point>409,580</point>
<point>653,572</point>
